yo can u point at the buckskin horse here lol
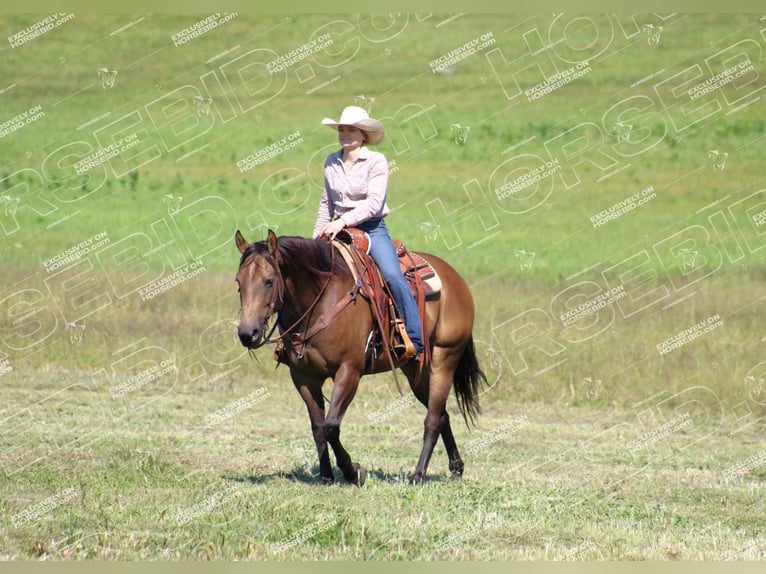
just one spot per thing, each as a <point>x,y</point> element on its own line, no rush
<point>297,282</point>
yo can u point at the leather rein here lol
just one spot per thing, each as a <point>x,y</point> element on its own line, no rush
<point>322,322</point>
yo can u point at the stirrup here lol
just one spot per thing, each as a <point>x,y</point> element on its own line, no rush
<point>405,352</point>
<point>404,349</point>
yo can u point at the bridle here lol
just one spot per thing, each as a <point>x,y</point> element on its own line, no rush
<point>277,300</point>
<point>299,339</point>
<point>277,304</point>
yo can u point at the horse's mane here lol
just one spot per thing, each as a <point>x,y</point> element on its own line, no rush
<point>311,257</point>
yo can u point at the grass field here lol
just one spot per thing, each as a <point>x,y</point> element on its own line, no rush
<point>596,179</point>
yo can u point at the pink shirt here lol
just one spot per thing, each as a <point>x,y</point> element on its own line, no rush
<point>356,196</point>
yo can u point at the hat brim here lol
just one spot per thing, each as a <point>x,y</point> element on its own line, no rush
<point>373,128</point>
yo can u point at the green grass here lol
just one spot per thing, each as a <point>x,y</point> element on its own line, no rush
<point>592,444</point>
<point>561,481</point>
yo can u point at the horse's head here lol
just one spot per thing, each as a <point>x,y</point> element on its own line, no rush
<point>260,288</point>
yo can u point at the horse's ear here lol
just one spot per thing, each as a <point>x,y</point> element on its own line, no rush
<point>242,243</point>
<point>271,242</point>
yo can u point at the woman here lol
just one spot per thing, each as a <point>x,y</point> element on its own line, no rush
<point>355,181</point>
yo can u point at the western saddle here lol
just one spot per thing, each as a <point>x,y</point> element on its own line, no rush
<point>388,332</point>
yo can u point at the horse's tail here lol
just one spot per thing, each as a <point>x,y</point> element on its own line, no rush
<point>468,379</point>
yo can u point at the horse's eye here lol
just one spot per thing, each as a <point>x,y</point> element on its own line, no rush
<point>269,282</point>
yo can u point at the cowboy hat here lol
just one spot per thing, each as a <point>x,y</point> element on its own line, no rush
<point>358,117</point>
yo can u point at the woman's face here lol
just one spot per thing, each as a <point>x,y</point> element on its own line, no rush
<point>350,137</point>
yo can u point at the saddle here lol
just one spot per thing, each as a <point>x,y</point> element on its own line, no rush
<point>353,245</point>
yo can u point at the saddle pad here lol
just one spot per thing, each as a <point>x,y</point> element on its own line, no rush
<point>433,284</point>
<point>413,262</point>
<point>345,251</point>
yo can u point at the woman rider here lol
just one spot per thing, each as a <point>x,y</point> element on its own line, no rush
<point>355,188</point>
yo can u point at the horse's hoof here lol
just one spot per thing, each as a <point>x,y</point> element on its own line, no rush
<point>361,474</point>
<point>417,478</point>
<point>456,468</point>
<point>326,480</point>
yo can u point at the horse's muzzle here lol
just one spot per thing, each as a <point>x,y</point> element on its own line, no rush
<point>250,337</point>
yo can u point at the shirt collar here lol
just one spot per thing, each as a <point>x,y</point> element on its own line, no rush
<point>364,153</point>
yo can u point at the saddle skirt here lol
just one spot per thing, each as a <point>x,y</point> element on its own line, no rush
<point>410,262</point>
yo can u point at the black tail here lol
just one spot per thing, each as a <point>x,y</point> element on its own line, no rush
<point>468,379</point>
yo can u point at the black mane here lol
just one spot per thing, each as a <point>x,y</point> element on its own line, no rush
<point>253,250</point>
<point>311,257</point>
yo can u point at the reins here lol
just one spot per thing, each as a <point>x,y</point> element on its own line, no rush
<point>324,320</point>
<point>305,314</point>
<point>321,323</point>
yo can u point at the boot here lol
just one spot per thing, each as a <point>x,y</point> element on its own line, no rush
<point>403,347</point>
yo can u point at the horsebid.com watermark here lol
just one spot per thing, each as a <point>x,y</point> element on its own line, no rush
<point>743,467</point>
<point>593,305</point>
<point>21,120</point>
<point>104,154</point>
<point>76,252</point>
<point>270,151</point>
<point>527,179</point>
<point>169,281</point>
<point>203,26</point>
<point>149,375</point>
<point>557,80</point>
<point>37,510</point>
<point>720,79</point>
<point>234,408</point>
<point>300,53</point>
<point>689,334</point>
<point>39,28</point>
<point>460,53</point>
<point>622,207</point>
<point>208,505</point>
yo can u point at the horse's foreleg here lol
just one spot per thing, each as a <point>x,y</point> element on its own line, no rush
<point>346,382</point>
<point>310,391</point>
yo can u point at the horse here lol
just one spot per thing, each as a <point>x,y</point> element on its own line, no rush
<point>296,282</point>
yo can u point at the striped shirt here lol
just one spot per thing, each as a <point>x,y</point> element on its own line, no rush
<point>356,196</point>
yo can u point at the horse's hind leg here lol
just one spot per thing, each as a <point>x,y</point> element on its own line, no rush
<point>346,382</point>
<point>420,388</point>
<point>455,462</point>
<point>443,365</point>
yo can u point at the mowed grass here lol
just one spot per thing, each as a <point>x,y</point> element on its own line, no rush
<point>592,445</point>
<point>223,466</point>
<point>544,480</point>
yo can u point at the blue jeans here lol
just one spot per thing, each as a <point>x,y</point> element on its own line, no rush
<point>383,252</point>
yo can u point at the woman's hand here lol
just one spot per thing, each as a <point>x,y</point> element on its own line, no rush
<point>333,228</point>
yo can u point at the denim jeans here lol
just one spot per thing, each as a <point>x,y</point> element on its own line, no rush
<point>383,252</point>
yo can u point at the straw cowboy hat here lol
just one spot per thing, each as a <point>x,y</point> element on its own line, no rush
<point>358,117</point>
